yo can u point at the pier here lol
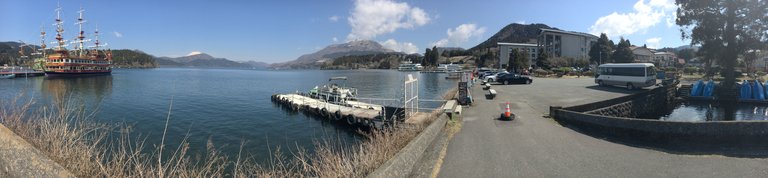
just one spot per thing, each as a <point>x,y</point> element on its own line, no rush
<point>361,114</point>
<point>358,113</point>
<point>24,73</point>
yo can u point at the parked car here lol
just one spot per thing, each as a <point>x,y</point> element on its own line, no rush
<point>514,78</point>
<point>486,73</point>
<point>494,77</point>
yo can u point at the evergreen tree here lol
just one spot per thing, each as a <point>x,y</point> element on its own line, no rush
<point>601,51</point>
<point>427,57</point>
<point>518,59</point>
<point>523,59</point>
<point>511,62</point>
<point>623,53</point>
<point>435,56</point>
<point>543,60</point>
<point>736,26</point>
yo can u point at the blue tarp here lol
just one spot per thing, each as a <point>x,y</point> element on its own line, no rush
<point>709,89</point>
<point>698,88</point>
<point>759,92</point>
<point>746,90</point>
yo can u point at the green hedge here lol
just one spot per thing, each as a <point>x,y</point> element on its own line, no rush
<point>690,70</point>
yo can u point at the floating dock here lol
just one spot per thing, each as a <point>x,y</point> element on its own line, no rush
<point>359,114</point>
<point>24,73</point>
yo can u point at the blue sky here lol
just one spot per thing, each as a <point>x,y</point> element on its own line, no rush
<point>277,31</point>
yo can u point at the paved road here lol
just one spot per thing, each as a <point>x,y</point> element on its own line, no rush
<point>534,146</point>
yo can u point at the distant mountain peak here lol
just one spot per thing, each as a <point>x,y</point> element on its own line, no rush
<point>356,47</point>
<point>194,53</point>
<point>513,33</point>
<point>200,59</point>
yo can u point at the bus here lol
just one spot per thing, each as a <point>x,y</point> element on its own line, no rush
<point>631,75</point>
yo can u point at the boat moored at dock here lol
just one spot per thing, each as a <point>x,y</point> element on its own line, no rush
<point>409,66</point>
<point>78,62</point>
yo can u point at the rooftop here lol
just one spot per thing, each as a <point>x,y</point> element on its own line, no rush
<point>568,32</point>
<point>517,44</point>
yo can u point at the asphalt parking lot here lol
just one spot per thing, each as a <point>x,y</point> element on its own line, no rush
<point>535,146</point>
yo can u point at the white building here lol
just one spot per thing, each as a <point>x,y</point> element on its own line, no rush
<point>665,59</point>
<point>642,55</point>
<point>505,49</point>
<point>558,43</point>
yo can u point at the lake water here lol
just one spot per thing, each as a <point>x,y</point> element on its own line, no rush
<point>227,106</point>
<point>702,112</point>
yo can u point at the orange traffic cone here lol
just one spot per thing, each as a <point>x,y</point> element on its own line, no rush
<point>507,112</point>
<point>507,115</point>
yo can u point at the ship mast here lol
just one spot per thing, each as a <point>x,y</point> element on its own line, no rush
<point>42,40</point>
<point>81,37</point>
<point>59,29</point>
<point>96,35</point>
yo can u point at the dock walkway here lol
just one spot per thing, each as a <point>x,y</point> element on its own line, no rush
<point>362,115</point>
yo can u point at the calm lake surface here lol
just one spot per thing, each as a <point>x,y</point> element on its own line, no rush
<point>227,106</point>
<point>702,112</point>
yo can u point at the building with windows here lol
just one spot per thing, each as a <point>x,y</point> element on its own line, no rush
<point>558,43</point>
<point>505,49</point>
<point>642,55</point>
<point>665,59</point>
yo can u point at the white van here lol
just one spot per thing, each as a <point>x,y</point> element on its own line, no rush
<point>631,75</point>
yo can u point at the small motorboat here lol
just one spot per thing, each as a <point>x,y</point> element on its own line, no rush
<point>7,75</point>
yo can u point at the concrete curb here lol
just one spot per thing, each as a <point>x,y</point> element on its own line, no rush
<point>18,158</point>
<point>404,161</point>
<point>589,116</point>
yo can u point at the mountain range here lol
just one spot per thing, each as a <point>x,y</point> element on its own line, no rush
<point>513,33</point>
<point>360,47</point>
<point>203,60</point>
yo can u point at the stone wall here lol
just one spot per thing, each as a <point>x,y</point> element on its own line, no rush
<point>404,161</point>
<point>614,119</point>
<point>18,158</point>
<point>642,105</point>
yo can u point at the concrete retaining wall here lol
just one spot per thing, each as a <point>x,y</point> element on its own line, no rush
<point>667,128</point>
<point>643,105</point>
<point>403,163</point>
<point>20,159</point>
<point>613,117</point>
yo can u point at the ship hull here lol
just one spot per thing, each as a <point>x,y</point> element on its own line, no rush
<point>76,74</point>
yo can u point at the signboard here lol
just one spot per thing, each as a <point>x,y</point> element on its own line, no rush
<point>463,93</point>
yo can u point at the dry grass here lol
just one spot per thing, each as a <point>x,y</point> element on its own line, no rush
<point>68,135</point>
<point>333,160</point>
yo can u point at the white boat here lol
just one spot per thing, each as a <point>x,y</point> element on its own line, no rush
<point>7,75</point>
<point>454,75</point>
<point>333,92</point>
<point>408,66</point>
<point>340,94</point>
<point>448,67</point>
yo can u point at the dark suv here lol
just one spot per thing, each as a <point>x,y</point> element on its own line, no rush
<point>514,78</point>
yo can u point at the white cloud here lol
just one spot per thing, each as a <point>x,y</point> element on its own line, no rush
<point>405,47</point>
<point>334,39</point>
<point>671,20</point>
<point>653,42</point>
<point>334,18</point>
<point>117,34</point>
<point>459,35</point>
<point>371,18</point>
<point>644,16</point>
